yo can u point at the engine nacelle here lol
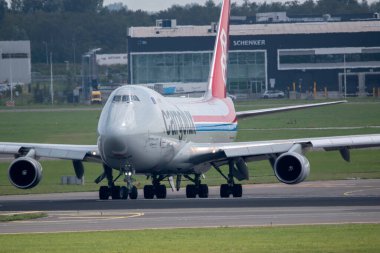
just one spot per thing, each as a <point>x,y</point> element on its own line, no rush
<point>291,168</point>
<point>25,173</point>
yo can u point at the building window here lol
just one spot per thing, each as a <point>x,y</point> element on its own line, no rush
<point>245,68</point>
<point>15,56</point>
<point>324,59</point>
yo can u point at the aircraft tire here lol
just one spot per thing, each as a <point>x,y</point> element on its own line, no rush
<point>115,192</point>
<point>104,192</point>
<point>161,191</point>
<point>203,191</point>
<point>237,191</point>
<point>191,191</point>
<point>133,193</point>
<point>148,192</point>
<point>124,192</point>
<point>224,191</point>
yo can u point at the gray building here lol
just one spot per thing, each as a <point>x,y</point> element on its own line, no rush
<point>15,62</point>
<point>263,56</point>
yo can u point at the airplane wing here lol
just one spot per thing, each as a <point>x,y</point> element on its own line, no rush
<point>245,114</point>
<point>250,149</point>
<point>266,149</point>
<point>286,156</point>
<point>57,151</point>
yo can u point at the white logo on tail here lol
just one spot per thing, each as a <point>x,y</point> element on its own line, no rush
<point>223,58</point>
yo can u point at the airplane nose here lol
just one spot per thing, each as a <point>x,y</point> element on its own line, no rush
<point>115,147</point>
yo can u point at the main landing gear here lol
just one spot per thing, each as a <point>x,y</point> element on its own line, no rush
<point>159,190</point>
<point>156,188</point>
<point>192,190</point>
<point>113,191</point>
<point>231,188</point>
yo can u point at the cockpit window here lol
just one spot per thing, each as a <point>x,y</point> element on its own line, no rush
<point>125,98</point>
<point>116,99</point>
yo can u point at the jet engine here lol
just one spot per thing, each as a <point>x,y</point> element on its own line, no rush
<point>291,168</point>
<point>25,172</point>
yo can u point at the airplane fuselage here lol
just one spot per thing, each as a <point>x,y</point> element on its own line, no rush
<point>141,128</point>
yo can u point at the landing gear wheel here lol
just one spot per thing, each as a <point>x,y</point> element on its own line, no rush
<point>133,193</point>
<point>124,192</point>
<point>104,192</point>
<point>161,191</point>
<point>191,191</point>
<point>203,191</point>
<point>148,192</point>
<point>224,191</point>
<point>115,192</point>
<point>237,191</point>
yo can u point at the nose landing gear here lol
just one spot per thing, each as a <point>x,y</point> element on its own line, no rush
<point>117,192</point>
<point>130,190</point>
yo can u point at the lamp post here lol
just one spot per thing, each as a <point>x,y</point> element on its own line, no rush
<point>345,76</point>
<point>10,80</point>
<point>88,59</point>
<point>46,52</point>
<point>74,57</point>
<point>92,54</point>
<point>67,66</point>
<point>51,79</point>
<point>11,76</point>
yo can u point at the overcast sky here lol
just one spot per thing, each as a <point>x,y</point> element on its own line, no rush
<point>157,5</point>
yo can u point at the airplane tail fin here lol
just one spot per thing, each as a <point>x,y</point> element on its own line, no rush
<point>217,83</point>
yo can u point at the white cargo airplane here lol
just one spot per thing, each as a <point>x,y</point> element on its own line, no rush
<point>142,132</point>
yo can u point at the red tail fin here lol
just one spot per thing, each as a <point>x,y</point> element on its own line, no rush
<point>218,74</point>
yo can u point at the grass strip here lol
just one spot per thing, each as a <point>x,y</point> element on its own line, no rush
<point>322,238</point>
<point>21,216</point>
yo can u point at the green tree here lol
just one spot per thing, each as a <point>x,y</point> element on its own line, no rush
<point>297,8</point>
<point>16,5</point>
<point>53,6</point>
<point>307,7</point>
<point>339,7</point>
<point>210,4</point>
<point>3,9</point>
<point>82,5</point>
<point>69,28</point>
<point>246,9</point>
<point>29,6</point>
<point>375,7</point>
<point>271,7</point>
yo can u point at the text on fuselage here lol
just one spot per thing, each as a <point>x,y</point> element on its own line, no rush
<point>223,58</point>
<point>178,123</point>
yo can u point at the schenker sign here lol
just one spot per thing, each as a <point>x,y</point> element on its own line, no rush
<point>248,43</point>
<point>111,59</point>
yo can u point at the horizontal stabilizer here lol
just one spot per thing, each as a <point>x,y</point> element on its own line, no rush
<point>245,114</point>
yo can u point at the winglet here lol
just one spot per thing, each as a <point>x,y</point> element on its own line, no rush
<point>218,74</point>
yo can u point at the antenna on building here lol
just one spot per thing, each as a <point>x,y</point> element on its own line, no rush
<point>214,27</point>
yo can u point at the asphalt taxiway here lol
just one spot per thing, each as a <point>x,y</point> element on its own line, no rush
<point>332,202</point>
